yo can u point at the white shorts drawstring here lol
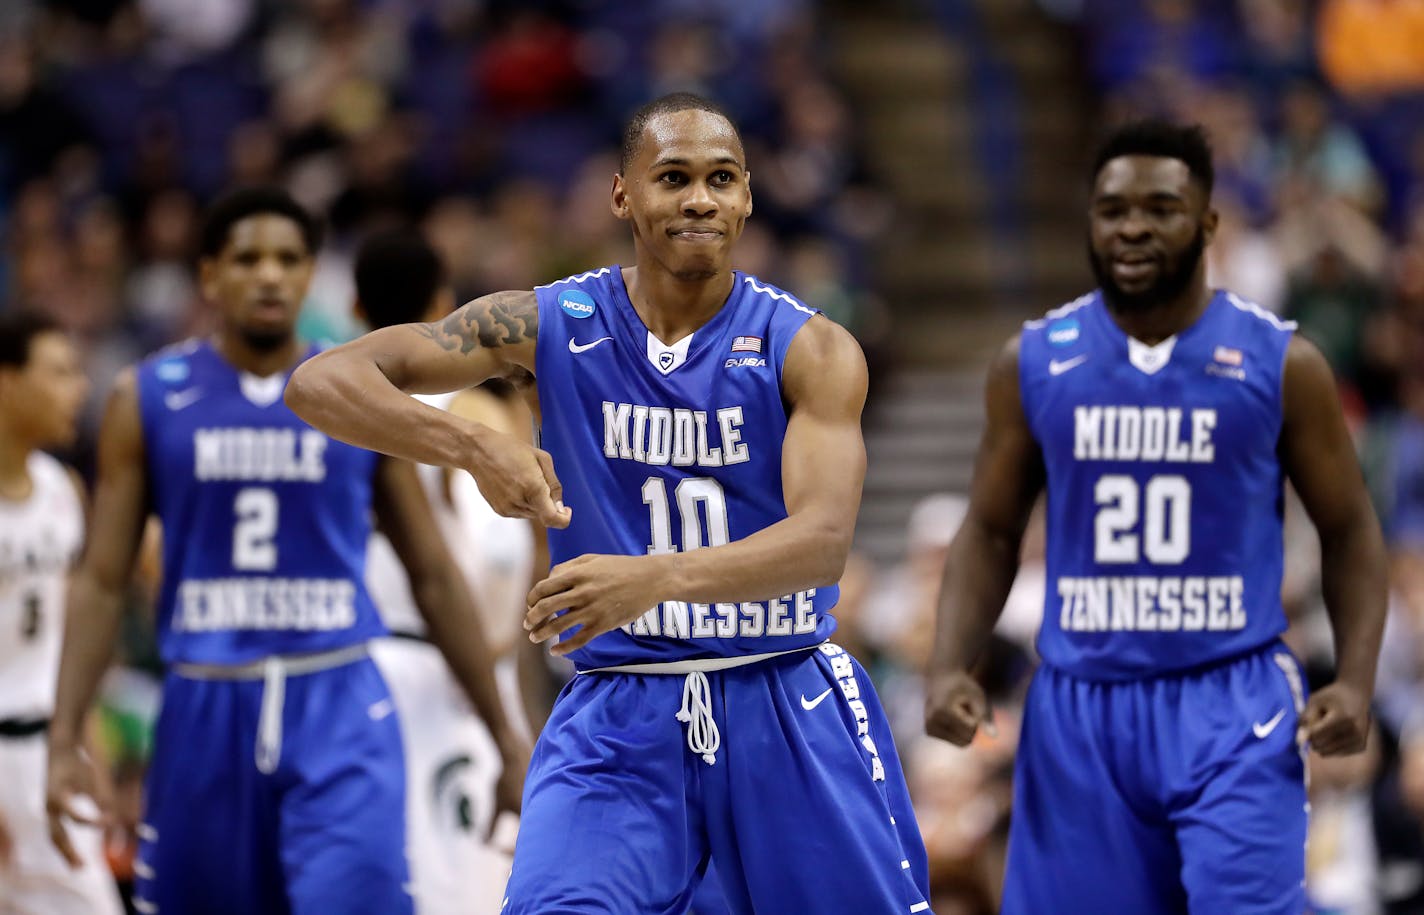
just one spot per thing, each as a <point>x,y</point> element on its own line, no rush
<point>703,738</point>
<point>269,724</point>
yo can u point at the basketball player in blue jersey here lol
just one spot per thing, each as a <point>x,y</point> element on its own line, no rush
<point>706,430</point>
<point>276,783</point>
<point>1161,760</point>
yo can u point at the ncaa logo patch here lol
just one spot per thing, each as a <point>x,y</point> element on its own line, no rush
<point>576,303</point>
<point>172,370</point>
<point>665,360</point>
<point>1062,333</point>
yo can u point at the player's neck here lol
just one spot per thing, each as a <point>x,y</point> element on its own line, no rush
<point>1156,323</point>
<point>261,362</point>
<point>671,307</point>
<point>15,482</point>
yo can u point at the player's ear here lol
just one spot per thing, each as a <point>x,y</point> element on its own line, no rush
<point>619,200</point>
<point>1210,219</point>
<point>208,277</point>
<point>748,179</point>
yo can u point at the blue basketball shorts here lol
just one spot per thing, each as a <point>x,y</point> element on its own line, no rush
<point>309,823</point>
<point>803,806</point>
<point>1177,794</point>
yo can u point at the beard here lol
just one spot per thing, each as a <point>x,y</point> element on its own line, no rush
<point>1170,284</point>
<point>264,341</point>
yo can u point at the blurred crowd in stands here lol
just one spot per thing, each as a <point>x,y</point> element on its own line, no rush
<point>494,126</point>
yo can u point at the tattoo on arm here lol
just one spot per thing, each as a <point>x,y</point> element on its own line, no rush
<point>498,319</point>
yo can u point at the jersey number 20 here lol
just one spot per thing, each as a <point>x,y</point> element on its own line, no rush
<point>1164,506</point>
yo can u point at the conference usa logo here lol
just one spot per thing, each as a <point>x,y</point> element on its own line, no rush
<point>745,345</point>
<point>577,304</point>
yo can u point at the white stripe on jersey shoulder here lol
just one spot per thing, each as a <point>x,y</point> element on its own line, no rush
<point>1060,311</point>
<point>775,294</point>
<point>1254,309</point>
<point>581,278</point>
<point>180,348</point>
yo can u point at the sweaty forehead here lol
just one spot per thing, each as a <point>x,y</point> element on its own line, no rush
<point>1141,176</point>
<point>691,134</point>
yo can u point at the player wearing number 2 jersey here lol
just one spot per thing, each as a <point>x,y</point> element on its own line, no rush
<point>706,430</point>
<point>1160,765</point>
<point>276,783</point>
<point>42,388</point>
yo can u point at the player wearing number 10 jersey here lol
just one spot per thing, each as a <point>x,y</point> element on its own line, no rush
<point>705,429</point>
<point>277,782</point>
<point>1160,766</point>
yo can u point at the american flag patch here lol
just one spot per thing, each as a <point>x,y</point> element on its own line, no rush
<point>746,344</point>
<point>1228,356</point>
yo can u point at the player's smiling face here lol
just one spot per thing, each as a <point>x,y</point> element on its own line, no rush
<point>1149,222</point>
<point>686,193</point>
<point>259,278</point>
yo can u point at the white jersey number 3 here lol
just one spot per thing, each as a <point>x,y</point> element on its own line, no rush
<point>1164,506</point>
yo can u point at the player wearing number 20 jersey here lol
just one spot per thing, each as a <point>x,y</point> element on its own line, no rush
<point>1165,493</point>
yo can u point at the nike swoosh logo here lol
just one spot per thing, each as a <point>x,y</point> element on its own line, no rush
<point>1262,731</point>
<point>177,400</point>
<point>809,704</point>
<point>1058,368</point>
<point>584,347</point>
<point>380,709</point>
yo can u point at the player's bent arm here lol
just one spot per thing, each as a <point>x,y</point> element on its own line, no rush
<point>824,380</point>
<point>358,392</point>
<point>441,594</point>
<point>95,600</point>
<point>984,555</point>
<point>1320,460</point>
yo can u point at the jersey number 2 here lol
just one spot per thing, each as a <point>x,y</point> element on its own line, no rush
<point>1165,508</point>
<point>696,497</point>
<point>252,546</point>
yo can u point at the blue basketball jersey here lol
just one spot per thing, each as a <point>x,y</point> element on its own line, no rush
<point>1165,493</point>
<point>265,519</point>
<point>663,448</point>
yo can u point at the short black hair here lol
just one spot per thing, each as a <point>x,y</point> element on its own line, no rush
<point>666,104</point>
<point>235,206</point>
<point>1187,143</point>
<point>397,274</point>
<point>18,329</point>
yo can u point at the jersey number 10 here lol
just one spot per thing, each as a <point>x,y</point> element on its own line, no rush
<point>696,497</point>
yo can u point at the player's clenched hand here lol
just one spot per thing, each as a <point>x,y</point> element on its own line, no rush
<point>1336,720</point>
<point>600,594</point>
<point>955,706</point>
<point>71,775</point>
<point>518,480</point>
